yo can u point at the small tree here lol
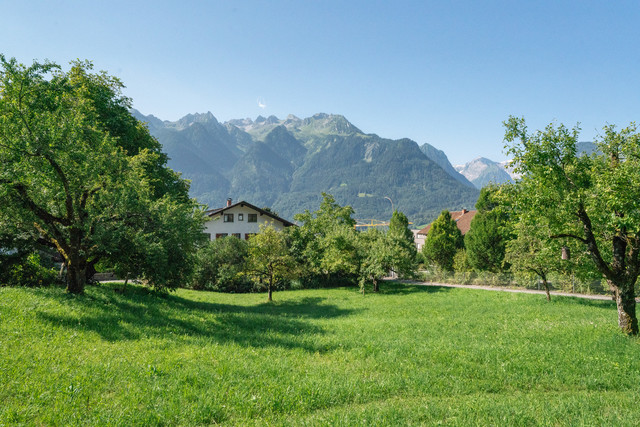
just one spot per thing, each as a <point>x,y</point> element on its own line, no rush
<point>269,258</point>
<point>403,248</point>
<point>486,240</point>
<point>376,257</point>
<point>534,252</point>
<point>443,241</point>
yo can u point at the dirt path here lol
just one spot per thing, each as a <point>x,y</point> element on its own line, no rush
<point>499,289</point>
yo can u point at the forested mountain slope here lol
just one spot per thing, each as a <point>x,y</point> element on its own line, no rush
<point>286,164</point>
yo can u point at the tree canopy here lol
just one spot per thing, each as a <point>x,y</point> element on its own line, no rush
<point>79,174</point>
<point>592,200</point>
<point>443,241</point>
<point>489,232</point>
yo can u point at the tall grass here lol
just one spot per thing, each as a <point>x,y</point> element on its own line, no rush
<point>409,355</point>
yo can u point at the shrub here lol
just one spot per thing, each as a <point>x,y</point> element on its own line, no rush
<point>219,266</point>
<point>28,271</point>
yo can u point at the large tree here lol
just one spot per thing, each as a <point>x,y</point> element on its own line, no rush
<point>590,199</point>
<point>81,175</point>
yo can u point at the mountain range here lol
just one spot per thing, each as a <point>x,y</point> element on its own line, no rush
<point>285,164</point>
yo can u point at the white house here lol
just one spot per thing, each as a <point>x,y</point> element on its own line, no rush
<point>241,220</point>
<point>418,239</point>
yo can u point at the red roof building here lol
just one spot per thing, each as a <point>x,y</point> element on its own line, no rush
<point>462,218</point>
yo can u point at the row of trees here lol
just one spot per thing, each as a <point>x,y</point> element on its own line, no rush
<point>80,176</point>
<point>583,206</point>
<point>324,250</point>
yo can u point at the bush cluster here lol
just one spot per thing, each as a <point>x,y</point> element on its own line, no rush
<point>29,270</point>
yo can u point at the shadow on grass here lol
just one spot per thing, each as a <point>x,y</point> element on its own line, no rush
<point>140,314</point>
<point>389,287</point>
<point>607,304</point>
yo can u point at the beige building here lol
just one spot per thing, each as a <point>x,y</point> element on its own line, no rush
<point>240,220</point>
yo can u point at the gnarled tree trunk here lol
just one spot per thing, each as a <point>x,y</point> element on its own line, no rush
<point>626,301</point>
<point>546,287</point>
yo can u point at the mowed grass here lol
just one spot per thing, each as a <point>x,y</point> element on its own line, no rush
<point>410,355</point>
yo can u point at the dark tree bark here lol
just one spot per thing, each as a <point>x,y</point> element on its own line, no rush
<point>546,286</point>
<point>376,286</point>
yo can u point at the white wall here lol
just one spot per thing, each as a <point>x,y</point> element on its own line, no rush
<point>418,239</point>
<point>216,224</point>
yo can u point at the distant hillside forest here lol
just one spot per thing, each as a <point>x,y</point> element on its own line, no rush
<point>286,164</point>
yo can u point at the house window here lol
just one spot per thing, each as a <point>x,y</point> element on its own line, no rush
<point>252,217</point>
<point>220,235</point>
<point>236,235</point>
<point>240,217</point>
<point>208,236</point>
<point>248,235</point>
<point>228,217</point>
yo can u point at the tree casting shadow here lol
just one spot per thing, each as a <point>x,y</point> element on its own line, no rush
<point>140,314</point>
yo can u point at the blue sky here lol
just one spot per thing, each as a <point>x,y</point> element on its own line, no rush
<point>443,72</point>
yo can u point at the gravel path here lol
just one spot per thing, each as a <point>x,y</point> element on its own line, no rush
<point>500,289</point>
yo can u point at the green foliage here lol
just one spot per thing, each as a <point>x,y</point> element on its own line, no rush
<point>376,258</point>
<point>402,245</point>
<point>313,357</point>
<point>591,200</point>
<point>461,261</point>
<point>269,259</point>
<point>26,271</point>
<point>325,245</point>
<point>485,242</point>
<point>489,198</point>
<point>79,174</point>
<point>443,241</point>
<point>219,266</point>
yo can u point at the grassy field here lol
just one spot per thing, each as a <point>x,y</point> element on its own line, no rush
<point>410,355</point>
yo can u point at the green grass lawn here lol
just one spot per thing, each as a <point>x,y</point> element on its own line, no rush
<point>410,355</point>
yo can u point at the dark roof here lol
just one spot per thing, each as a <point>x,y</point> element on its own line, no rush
<point>462,218</point>
<point>219,211</point>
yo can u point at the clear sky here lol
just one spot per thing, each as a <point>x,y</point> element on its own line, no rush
<point>443,72</point>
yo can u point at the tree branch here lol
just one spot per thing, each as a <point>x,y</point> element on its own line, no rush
<point>571,236</point>
<point>65,183</point>
<point>592,244</point>
<point>40,212</point>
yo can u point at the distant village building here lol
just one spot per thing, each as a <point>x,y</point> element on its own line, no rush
<point>418,239</point>
<point>240,220</point>
<point>463,221</point>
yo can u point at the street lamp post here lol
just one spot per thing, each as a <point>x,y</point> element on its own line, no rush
<point>389,199</point>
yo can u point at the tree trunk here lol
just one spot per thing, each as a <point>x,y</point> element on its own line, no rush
<point>626,302</point>
<point>270,289</point>
<point>90,271</point>
<point>76,269</point>
<point>546,288</point>
<point>77,278</point>
<point>376,287</point>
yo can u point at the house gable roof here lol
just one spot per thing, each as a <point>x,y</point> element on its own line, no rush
<point>462,218</point>
<point>213,212</point>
